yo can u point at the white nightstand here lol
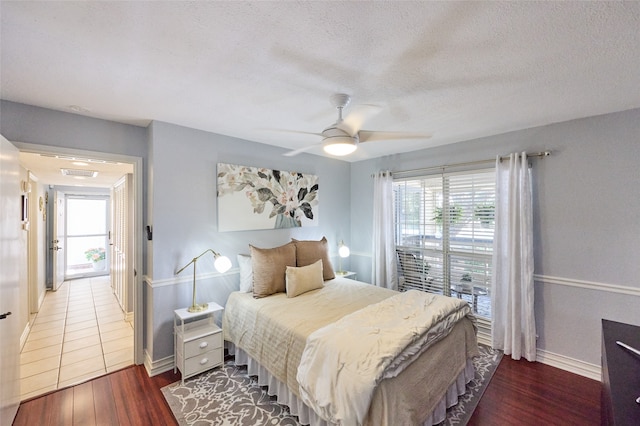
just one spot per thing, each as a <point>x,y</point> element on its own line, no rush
<point>197,340</point>
<point>347,274</point>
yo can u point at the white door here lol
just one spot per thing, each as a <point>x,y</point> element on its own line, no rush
<point>11,256</point>
<point>122,243</point>
<point>57,244</point>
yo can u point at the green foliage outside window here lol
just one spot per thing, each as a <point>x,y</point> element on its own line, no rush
<point>455,214</point>
<point>485,213</point>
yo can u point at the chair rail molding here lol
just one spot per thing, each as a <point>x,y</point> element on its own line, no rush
<point>187,278</point>
<point>590,285</point>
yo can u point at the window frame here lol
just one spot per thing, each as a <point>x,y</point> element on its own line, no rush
<point>456,254</point>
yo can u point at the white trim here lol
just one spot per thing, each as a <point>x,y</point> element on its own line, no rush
<point>548,279</point>
<point>186,278</point>
<point>361,254</point>
<point>138,291</point>
<point>589,285</point>
<point>137,163</point>
<point>157,367</point>
<point>41,298</point>
<point>129,316</point>
<point>572,365</point>
<point>25,335</point>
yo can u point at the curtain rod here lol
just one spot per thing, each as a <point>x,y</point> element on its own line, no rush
<point>468,163</point>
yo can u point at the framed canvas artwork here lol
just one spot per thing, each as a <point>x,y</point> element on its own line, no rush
<point>257,198</point>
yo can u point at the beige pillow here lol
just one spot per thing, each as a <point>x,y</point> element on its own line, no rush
<point>308,252</point>
<point>269,266</point>
<point>304,278</point>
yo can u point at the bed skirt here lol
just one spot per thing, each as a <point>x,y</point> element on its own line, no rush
<point>307,416</point>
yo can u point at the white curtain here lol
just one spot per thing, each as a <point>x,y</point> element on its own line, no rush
<point>513,328</point>
<point>384,273</point>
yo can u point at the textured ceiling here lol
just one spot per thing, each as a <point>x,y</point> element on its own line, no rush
<point>456,70</point>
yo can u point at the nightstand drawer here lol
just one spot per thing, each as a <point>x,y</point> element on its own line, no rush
<point>203,362</point>
<point>202,345</point>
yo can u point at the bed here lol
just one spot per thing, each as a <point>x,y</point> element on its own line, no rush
<point>273,336</point>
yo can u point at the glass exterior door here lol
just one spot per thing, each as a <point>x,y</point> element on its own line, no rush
<point>87,237</point>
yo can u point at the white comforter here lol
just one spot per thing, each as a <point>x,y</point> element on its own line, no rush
<point>344,361</point>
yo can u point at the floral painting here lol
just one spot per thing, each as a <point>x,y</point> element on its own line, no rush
<point>258,198</point>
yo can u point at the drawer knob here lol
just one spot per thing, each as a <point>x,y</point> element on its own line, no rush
<point>204,361</point>
<point>203,345</point>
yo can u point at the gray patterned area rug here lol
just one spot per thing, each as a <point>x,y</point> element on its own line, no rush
<point>228,396</point>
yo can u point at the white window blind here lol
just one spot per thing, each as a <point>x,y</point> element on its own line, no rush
<point>444,234</point>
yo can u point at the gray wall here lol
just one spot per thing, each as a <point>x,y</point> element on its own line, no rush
<point>179,166</point>
<point>183,213</point>
<point>39,126</point>
<point>586,222</point>
<point>30,124</point>
<point>586,200</point>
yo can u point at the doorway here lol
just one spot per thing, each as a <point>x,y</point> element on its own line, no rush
<point>81,279</point>
<point>86,236</point>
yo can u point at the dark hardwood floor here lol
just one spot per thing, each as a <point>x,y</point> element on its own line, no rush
<point>530,393</point>
<point>520,393</point>
<point>125,397</point>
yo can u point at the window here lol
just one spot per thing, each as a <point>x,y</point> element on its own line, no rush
<point>87,239</point>
<point>444,235</point>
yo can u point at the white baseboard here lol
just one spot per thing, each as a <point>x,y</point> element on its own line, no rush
<point>41,298</point>
<point>24,335</point>
<point>572,365</point>
<point>128,316</point>
<point>157,367</point>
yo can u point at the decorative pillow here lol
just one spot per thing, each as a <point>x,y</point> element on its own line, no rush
<point>246,273</point>
<point>304,278</point>
<point>269,266</point>
<point>308,252</point>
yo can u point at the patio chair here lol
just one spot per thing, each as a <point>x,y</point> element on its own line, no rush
<point>415,273</point>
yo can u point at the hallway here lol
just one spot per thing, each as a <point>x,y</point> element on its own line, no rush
<point>79,333</point>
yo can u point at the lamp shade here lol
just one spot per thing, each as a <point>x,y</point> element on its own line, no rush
<point>343,251</point>
<point>222,264</point>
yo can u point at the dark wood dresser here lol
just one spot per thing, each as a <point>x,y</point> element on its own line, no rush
<point>620,375</point>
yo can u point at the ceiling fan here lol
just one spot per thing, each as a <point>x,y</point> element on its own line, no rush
<point>342,137</point>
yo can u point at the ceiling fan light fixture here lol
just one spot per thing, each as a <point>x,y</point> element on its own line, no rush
<point>340,146</point>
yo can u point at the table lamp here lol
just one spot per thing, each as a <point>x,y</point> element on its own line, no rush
<point>343,251</point>
<point>222,264</point>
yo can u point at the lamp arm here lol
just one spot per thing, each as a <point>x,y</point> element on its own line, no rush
<point>198,257</point>
<point>194,306</point>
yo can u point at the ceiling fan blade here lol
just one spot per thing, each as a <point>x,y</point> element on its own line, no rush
<point>353,122</point>
<point>298,132</point>
<point>300,150</point>
<point>370,136</point>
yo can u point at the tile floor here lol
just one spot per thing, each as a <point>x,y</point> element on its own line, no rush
<point>78,334</point>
